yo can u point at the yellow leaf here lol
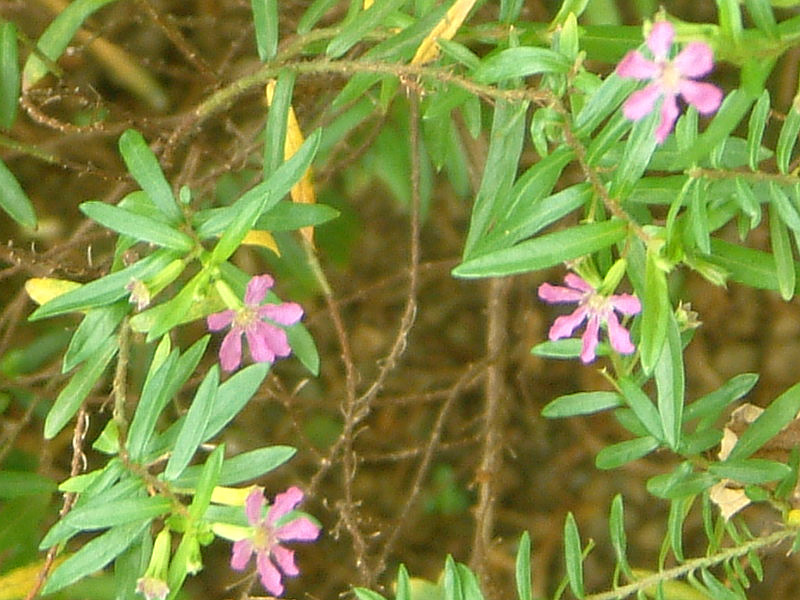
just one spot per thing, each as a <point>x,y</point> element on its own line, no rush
<point>17,583</point>
<point>303,190</point>
<point>445,29</point>
<point>256,237</point>
<point>368,3</point>
<point>44,289</point>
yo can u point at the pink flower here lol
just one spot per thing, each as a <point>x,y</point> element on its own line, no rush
<point>266,340</point>
<point>266,538</point>
<point>593,308</point>
<point>670,78</point>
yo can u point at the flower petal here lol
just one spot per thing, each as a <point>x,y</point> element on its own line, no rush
<point>705,97</point>
<point>589,340</point>
<point>618,336</point>
<point>626,304</point>
<point>636,66</point>
<point>669,114</point>
<point>270,576</point>
<point>284,503</point>
<point>230,351</point>
<point>642,101</point>
<point>695,60</point>
<point>253,505</point>
<point>257,288</point>
<point>577,282</point>
<point>301,529</point>
<point>285,559</point>
<point>564,326</point>
<point>220,320</point>
<point>660,39</point>
<point>556,294</point>
<point>259,339</point>
<point>286,313</point>
<point>242,550</point>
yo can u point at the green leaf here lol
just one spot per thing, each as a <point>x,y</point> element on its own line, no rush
<point>191,432</point>
<point>57,36</point>
<point>265,20</point>
<point>9,74</point>
<point>187,305</point>
<point>698,442</point>
<point>573,556</point>
<point>17,484</point>
<point>98,324</point>
<point>602,103</point>
<point>357,29</point>
<point>288,216</point>
<point>544,251</point>
<point>643,407</point>
<point>745,265</point>
<point>710,406</point>
<point>233,395</point>
<point>13,199</point>
<point>787,139</point>
<point>523,568</point>
<point>144,168</point>
<point>314,13</point>
<point>520,62</point>
<point>669,376</point>
<point>403,587</point>
<point>787,211</point>
<point>123,510</point>
<point>755,129</point>
<point>582,403</point>
<point>635,156</point>
<point>750,470</point>
<point>616,528</point>
<point>748,202</point>
<point>94,555</point>
<point>240,468</point>
<point>777,415</point>
<point>782,253</point>
<point>698,217</point>
<point>452,582</point>
<point>621,453</point>
<point>208,480</point>
<point>303,347</point>
<point>762,15</point>
<point>680,483</point>
<point>364,593</point>
<point>277,122</point>
<point>655,313</point>
<point>469,583</point>
<point>74,393</point>
<point>678,511</point>
<point>153,400</point>
<point>717,589</point>
<point>138,227</point>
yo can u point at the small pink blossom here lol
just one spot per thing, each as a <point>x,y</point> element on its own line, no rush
<point>272,559</point>
<point>593,308</point>
<point>265,339</point>
<point>670,78</point>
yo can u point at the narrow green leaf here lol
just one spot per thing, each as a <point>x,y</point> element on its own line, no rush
<point>680,483</point>
<point>313,14</point>
<point>602,103</point>
<point>452,582</point>
<point>730,19</point>
<point>74,393</point>
<point>240,468</point>
<point>303,347</point>
<point>509,12</point>
<point>582,403</point>
<point>191,433</point>
<point>750,470</point>
<point>144,168</point>
<point>711,405</point>
<point>9,74</point>
<point>573,556</point>
<point>655,313</point>
<point>718,590</point>
<point>621,453</point>
<point>288,216</point>
<point>782,254</point>
<point>698,217</point>
<point>403,588</point>
<point>233,395</point>
<point>787,210</point>
<point>777,415</point>
<point>762,15</point>
<point>523,568</point>
<point>635,157</point>
<point>788,483</point>
<point>16,484</point>
<point>13,199</point>
<point>98,324</point>
<point>250,207</point>
<point>277,121</point>
<point>364,593</point>
<point>357,29</point>
<point>265,20</point>
<point>787,139</point>
<point>520,62</point>
<point>94,555</point>
<point>616,528</point>
<point>138,227</point>
<point>208,480</point>
<point>544,251</point>
<point>57,36</point>
<point>469,583</point>
<point>187,305</point>
<point>678,511</point>
<point>153,400</point>
<point>748,202</point>
<point>124,510</point>
<point>755,129</point>
<point>669,376</point>
<point>643,407</point>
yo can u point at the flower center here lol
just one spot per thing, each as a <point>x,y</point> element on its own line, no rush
<point>670,76</point>
<point>245,317</point>
<point>264,537</point>
<point>598,305</point>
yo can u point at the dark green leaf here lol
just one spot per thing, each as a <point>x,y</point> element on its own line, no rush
<point>669,378</point>
<point>153,400</point>
<point>573,556</point>
<point>520,62</point>
<point>123,510</point>
<point>265,20</point>
<point>314,13</point>
<point>288,216</point>
<point>655,313</point>
<point>208,480</point>
<point>16,484</point>
<point>711,405</point>
<point>678,511</point>
<point>138,227</point>
<point>750,470</point>
<point>240,468</point>
<point>9,74</point>
<point>582,403</point>
<point>277,121</point>
<point>356,30</point>
<point>13,199</point>
<point>755,128</point>
<point>619,541</point>
<point>777,415</point>
<point>98,324</point>
<point>621,453</point>
<point>523,568</point>
<point>782,253</point>
<point>643,407</point>
<point>787,139</point>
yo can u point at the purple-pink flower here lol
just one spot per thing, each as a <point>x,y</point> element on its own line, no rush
<point>593,308</point>
<point>670,78</point>
<point>265,339</point>
<point>273,560</point>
